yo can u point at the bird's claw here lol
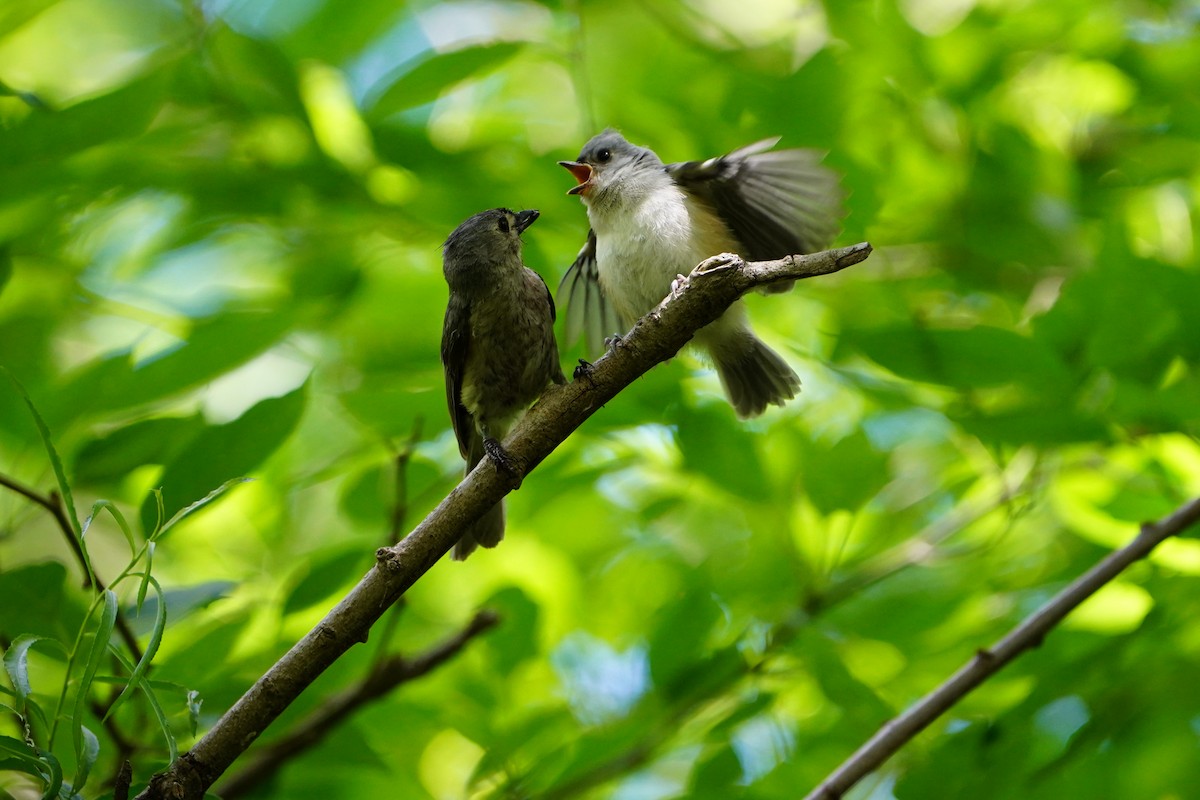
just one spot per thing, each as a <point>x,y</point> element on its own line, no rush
<point>505,462</point>
<point>678,285</point>
<point>612,342</point>
<point>584,370</point>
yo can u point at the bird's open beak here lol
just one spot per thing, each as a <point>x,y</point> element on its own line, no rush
<point>525,219</point>
<point>582,173</point>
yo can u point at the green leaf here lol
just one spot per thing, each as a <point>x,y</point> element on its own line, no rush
<point>515,639</point>
<point>327,574</point>
<point>139,671</point>
<point>716,774</point>
<point>47,136</point>
<point>970,358</point>
<point>91,752</point>
<point>681,631</point>
<point>180,602</point>
<point>214,347</point>
<point>53,614</point>
<point>1036,425</point>
<point>235,448</point>
<point>95,656</point>
<point>151,441</point>
<point>845,475</point>
<point>15,13</point>
<point>16,664</point>
<point>715,445</point>
<point>107,505</point>
<point>56,462</point>
<point>425,82</point>
<point>255,71</point>
<point>155,707</point>
<point>17,755</point>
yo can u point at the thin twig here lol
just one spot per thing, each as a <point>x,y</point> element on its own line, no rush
<point>400,499</point>
<point>1029,634</point>
<point>383,678</point>
<point>52,502</point>
<point>693,303</point>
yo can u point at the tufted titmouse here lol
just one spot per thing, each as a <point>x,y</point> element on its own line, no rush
<point>651,222</point>
<point>498,347</point>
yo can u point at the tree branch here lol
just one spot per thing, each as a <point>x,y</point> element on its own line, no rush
<point>920,548</point>
<point>383,678</point>
<point>53,503</point>
<point>696,301</point>
<point>1029,634</point>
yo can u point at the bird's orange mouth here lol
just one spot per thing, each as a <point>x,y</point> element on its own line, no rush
<point>582,173</point>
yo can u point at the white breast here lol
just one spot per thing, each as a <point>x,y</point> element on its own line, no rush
<point>641,248</point>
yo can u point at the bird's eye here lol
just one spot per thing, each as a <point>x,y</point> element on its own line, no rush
<point>502,223</point>
<point>604,155</point>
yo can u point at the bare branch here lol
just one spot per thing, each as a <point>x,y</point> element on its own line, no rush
<point>383,678</point>
<point>696,301</point>
<point>1029,634</point>
<point>918,549</point>
<point>53,503</point>
<point>400,499</point>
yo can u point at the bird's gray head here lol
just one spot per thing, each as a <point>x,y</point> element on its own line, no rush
<point>487,240</point>
<point>609,168</point>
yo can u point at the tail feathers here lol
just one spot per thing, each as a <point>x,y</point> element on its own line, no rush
<point>755,376</point>
<point>488,530</point>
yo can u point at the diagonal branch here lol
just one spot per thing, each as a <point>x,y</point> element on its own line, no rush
<point>920,548</point>
<point>696,301</point>
<point>383,678</point>
<point>1029,634</point>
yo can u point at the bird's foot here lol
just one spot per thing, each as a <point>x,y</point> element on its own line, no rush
<point>506,463</point>
<point>718,263</point>
<point>584,370</point>
<point>678,285</point>
<point>612,343</point>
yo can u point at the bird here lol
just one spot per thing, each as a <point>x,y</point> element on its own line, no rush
<point>651,222</point>
<point>498,347</point>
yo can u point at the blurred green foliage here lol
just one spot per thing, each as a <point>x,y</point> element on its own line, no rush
<point>219,256</point>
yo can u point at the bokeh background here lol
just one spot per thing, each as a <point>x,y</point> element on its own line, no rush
<point>220,224</point>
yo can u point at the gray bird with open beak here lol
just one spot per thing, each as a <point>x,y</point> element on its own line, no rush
<point>498,346</point>
<point>652,221</point>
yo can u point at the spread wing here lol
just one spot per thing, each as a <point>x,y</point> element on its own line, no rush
<point>586,310</point>
<point>776,203</point>
<point>456,340</point>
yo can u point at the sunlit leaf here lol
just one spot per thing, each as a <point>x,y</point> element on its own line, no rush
<point>424,82</point>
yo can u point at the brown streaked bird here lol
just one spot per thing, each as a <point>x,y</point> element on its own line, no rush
<point>498,346</point>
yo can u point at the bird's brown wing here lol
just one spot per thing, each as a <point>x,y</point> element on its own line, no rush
<point>585,308</point>
<point>456,342</point>
<point>775,202</point>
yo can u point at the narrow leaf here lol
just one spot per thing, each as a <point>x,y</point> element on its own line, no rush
<point>17,755</point>
<point>139,671</point>
<point>107,505</point>
<point>152,700</point>
<point>16,664</point>
<point>56,462</point>
<point>199,504</point>
<point>91,752</point>
<point>108,620</point>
